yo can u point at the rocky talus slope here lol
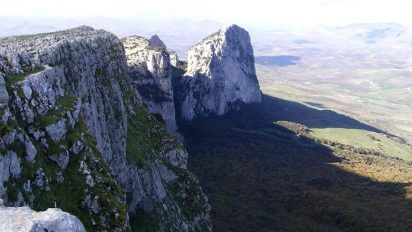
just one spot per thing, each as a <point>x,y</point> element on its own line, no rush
<point>75,134</point>
<point>220,74</point>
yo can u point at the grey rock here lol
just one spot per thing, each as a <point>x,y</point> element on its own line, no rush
<point>27,186</point>
<point>156,42</point>
<point>57,130</point>
<point>40,178</point>
<point>91,203</point>
<point>31,151</point>
<point>4,95</point>
<point>38,135</point>
<point>61,159</point>
<point>44,142</point>
<point>77,147</point>
<point>150,70</point>
<point>6,115</point>
<point>89,181</point>
<point>27,91</point>
<point>91,66</point>
<point>174,59</point>
<point>83,168</point>
<point>9,166</point>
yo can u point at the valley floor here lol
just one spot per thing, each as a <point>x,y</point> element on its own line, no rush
<point>264,169</point>
<point>366,94</point>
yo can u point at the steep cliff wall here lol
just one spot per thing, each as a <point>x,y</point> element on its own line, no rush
<point>75,133</point>
<point>220,73</point>
<point>150,70</point>
<point>87,123</point>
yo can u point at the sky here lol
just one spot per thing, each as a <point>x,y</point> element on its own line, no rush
<point>325,12</point>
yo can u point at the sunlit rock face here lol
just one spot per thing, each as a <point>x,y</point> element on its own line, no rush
<point>220,73</point>
<point>23,219</point>
<point>75,133</point>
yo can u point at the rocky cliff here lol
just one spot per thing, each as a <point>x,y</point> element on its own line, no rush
<point>87,124</point>
<point>220,74</point>
<point>75,133</point>
<point>149,68</point>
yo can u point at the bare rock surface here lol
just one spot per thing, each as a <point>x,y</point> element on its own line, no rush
<point>220,74</point>
<point>23,219</point>
<point>76,132</point>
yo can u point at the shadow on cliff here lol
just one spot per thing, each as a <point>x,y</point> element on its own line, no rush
<point>261,177</point>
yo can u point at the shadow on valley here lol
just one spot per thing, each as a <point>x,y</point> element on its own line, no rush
<point>261,177</point>
<point>277,109</point>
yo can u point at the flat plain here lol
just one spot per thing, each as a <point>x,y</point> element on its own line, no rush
<point>362,71</point>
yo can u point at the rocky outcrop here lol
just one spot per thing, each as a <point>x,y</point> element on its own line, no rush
<point>220,74</point>
<point>174,60</point>
<point>150,70</point>
<point>23,219</point>
<point>75,133</point>
<point>156,42</point>
<point>50,125</point>
<point>4,96</point>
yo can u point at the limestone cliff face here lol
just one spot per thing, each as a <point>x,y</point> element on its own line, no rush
<point>220,73</point>
<point>150,70</point>
<point>86,123</point>
<point>55,114</point>
<point>74,133</point>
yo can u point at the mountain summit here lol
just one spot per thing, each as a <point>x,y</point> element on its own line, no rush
<point>220,73</point>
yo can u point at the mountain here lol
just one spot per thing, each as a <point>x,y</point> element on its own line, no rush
<point>220,73</point>
<point>110,132</point>
<point>75,133</point>
<point>178,34</point>
<point>88,124</point>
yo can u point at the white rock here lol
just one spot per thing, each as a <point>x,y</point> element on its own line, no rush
<point>174,59</point>
<point>23,219</point>
<point>221,72</point>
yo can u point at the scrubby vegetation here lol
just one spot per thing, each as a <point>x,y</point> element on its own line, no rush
<point>11,80</point>
<point>261,176</point>
<point>83,187</point>
<point>146,137</point>
<point>67,189</point>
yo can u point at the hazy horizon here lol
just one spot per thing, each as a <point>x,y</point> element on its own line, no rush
<point>259,14</point>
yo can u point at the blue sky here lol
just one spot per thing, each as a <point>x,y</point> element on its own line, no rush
<point>326,12</point>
